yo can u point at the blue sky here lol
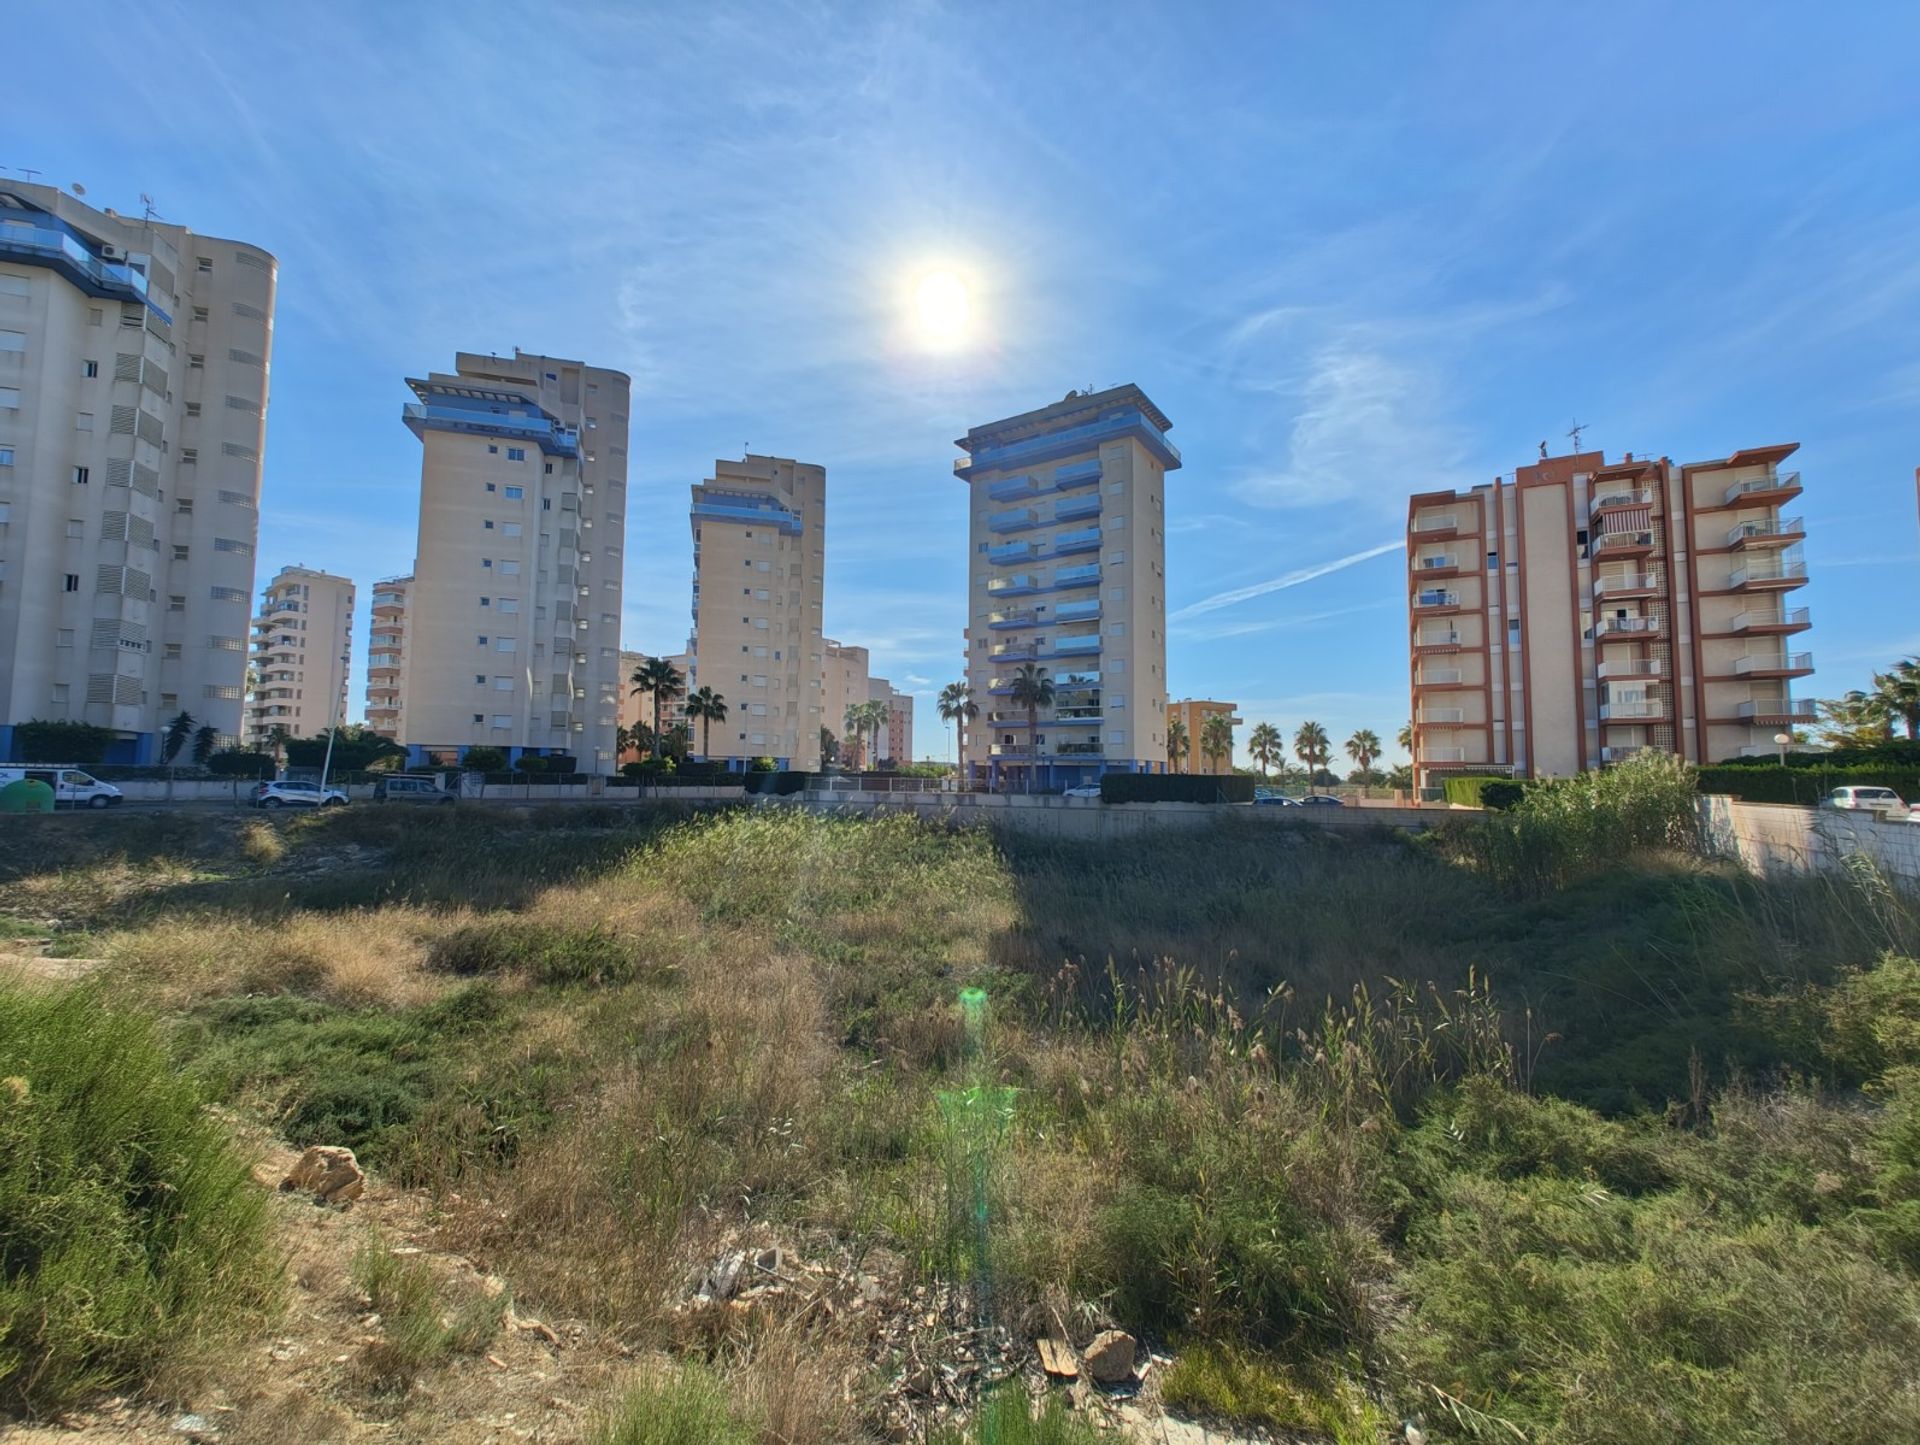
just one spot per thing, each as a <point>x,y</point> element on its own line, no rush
<point>1353,251</point>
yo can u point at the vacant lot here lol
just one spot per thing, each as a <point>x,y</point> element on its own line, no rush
<point>1348,1133</point>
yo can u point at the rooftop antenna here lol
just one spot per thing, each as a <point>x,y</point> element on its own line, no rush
<point>152,210</point>
<point>28,171</point>
<point>1578,427</point>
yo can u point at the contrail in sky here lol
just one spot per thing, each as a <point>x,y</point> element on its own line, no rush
<point>1277,584</point>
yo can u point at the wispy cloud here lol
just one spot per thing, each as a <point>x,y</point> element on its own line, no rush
<point>1298,623</point>
<point>1281,583</point>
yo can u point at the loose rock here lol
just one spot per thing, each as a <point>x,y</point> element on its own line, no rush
<point>330,1172</point>
<point>1110,1357</point>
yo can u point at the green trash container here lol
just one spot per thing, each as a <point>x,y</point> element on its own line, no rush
<point>26,795</point>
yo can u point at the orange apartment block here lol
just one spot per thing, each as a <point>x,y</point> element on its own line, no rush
<point>1583,610</point>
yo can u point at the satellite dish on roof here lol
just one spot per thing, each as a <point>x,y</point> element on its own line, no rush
<point>78,189</point>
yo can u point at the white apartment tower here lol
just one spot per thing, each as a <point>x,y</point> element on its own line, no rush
<point>302,648</point>
<point>513,617</point>
<point>1066,558</point>
<point>759,560</point>
<point>387,659</point>
<point>133,397</point>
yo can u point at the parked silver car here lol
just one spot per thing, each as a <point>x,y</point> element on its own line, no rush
<point>297,793</point>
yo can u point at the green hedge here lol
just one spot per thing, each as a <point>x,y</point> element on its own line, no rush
<point>1775,784</point>
<point>1175,788</point>
<point>1469,790</point>
<point>779,784</point>
<point>680,780</point>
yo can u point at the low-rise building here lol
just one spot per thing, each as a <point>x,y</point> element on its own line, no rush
<point>1192,715</point>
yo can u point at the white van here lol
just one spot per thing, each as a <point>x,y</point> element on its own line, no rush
<point>71,787</point>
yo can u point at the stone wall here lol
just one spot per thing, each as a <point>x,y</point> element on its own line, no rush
<point>1779,838</point>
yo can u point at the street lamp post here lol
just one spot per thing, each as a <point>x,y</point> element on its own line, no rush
<point>1780,741</point>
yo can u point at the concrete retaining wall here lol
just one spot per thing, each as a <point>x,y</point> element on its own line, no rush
<point>1091,820</point>
<point>1780,838</point>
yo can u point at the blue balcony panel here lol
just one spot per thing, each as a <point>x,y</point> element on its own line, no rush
<point>1018,585</point>
<point>1064,578</point>
<point>1077,509</point>
<point>787,522</point>
<point>484,411</point>
<point>1013,489</point>
<point>1085,540</point>
<point>1077,611</point>
<point>1017,520</point>
<point>1076,474</point>
<point>1010,552</point>
<point>1000,621</point>
<point>1120,423</point>
<point>50,242</point>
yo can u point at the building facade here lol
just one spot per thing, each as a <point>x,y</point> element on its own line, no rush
<point>895,746</point>
<point>302,652</point>
<point>1066,560</point>
<point>513,617</point>
<point>1583,610</point>
<point>1192,714</point>
<point>133,396</point>
<point>759,565</point>
<point>846,679</point>
<point>637,708</point>
<point>387,658</point>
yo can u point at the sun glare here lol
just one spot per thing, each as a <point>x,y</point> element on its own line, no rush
<point>941,310</point>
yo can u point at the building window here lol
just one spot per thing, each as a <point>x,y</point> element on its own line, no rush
<point>73,582</point>
<point>176,604</point>
<point>504,644</point>
<point>10,397</point>
<point>509,604</point>
<point>514,494</point>
<point>89,368</point>
<point>516,454</point>
<point>76,529</point>
<point>196,363</point>
<point>486,562</point>
<point>502,722</point>
<point>492,450</point>
<point>6,456</point>
<point>486,602</point>
<point>63,637</point>
<point>508,529</point>
<point>503,684</point>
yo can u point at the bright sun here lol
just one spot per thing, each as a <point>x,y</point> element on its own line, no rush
<point>941,310</point>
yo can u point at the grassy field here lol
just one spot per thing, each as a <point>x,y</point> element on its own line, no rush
<point>1357,1128</point>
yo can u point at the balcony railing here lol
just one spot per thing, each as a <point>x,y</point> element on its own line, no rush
<point>1087,575</point>
<point>1434,598</point>
<point>1439,677</point>
<point>1012,652</point>
<point>1012,617</point>
<point>1448,523</point>
<point>1076,509</point>
<point>1075,646</point>
<point>1769,618</point>
<point>1619,497</point>
<point>1443,563</point>
<point>1012,489</point>
<point>1621,754</point>
<point>1793,662</point>
<point>1632,667</point>
<point>1013,584</point>
<point>1010,552</point>
<point>1014,520</point>
<point>1631,711</point>
<point>1076,474</point>
<point>1797,709</point>
<point>1443,755</point>
<point>1628,626</point>
<point>1610,542</point>
<point>1078,750</point>
<point>1428,716</point>
<point>1086,539</point>
<point>1625,583</point>
<point>1077,611</point>
<point>1761,486</point>
<point>1762,574</point>
<point>1436,639</point>
<point>1782,530</point>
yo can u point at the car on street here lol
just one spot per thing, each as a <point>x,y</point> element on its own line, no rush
<point>407,788</point>
<point>1883,802</point>
<point>1085,790</point>
<point>72,788</point>
<point>1274,800</point>
<point>297,793</point>
<point>1321,800</point>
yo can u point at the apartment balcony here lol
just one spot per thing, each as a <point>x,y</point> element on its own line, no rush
<point>1439,566</point>
<point>1076,474</point>
<point>1627,584</point>
<point>1440,716</point>
<point>1077,509</point>
<point>1619,499</point>
<point>1073,717</point>
<point>1792,664</point>
<point>1776,711</point>
<point>1015,585</point>
<point>1436,641</point>
<point>1075,646</point>
<point>1626,750</point>
<point>1006,552</point>
<point>1436,600</point>
<point>1632,712</point>
<point>1000,621</point>
<point>1086,611</point>
<point>1442,757</point>
<point>1624,544</point>
<point>1612,629</point>
<point>1087,539</point>
<point>1431,677</point>
<point>1769,574</point>
<point>1017,519</point>
<point>1763,491</point>
<point>1014,489</point>
<point>388,609</point>
<point>1772,621</point>
<point>1618,668</point>
<point>1078,750</point>
<point>1779,532</point>
<point>1435,529</point>
<point>1086,575</point>
<point>1010,750</point>
<point>447,410</point>
<point>53,244</point>
<point>1013,652</point>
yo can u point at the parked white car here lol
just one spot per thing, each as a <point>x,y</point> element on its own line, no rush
<point>72,788</point>
<point>1085,790</point>
<point>1882,802</point>
<point>296,793</point>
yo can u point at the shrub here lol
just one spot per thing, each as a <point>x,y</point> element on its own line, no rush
<point>1008,1417</point>
<point>1771,783</point>
<point>418,1328</point>
<point>130,1227</point>
<point>1501,794</point>
<point>762,765</point>
<point>60,741</point>
<point>544,952</point>
<point>759,780</point>
<point>673,1406</point>
<point>530,763</point>
<point>1175,788</point>
<point>235,763</point>
<point>484,760</point>
<point>1467,790</point>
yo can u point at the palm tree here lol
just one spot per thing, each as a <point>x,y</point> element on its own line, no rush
<point>958,707</point>
<point>1857,720</point>
<point>205,739</point>
<point>175,737</point>
<point>856,721</point>
<point>1405,738</point>
<point>1216,739</point>
<point>658,677</point>
<point>1265,747</point>
<point>1363,747</point>
<point>1310,745</point>
<point>1179,745</point>
<point>829,746</point>
<point>1898,689</point>
<point>277,739</point>
<point>1032,690</point>
<point>707,707</point>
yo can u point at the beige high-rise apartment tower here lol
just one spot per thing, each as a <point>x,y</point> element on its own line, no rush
<point>133,398</point>
<point>896,744</point>
<point>1583,610</point>
<point>513,619</point>
<point>387,658</point>
<point>1066,558</point>
<point>846,679</point>
<point>302,648</point>
<point>759,565</point>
